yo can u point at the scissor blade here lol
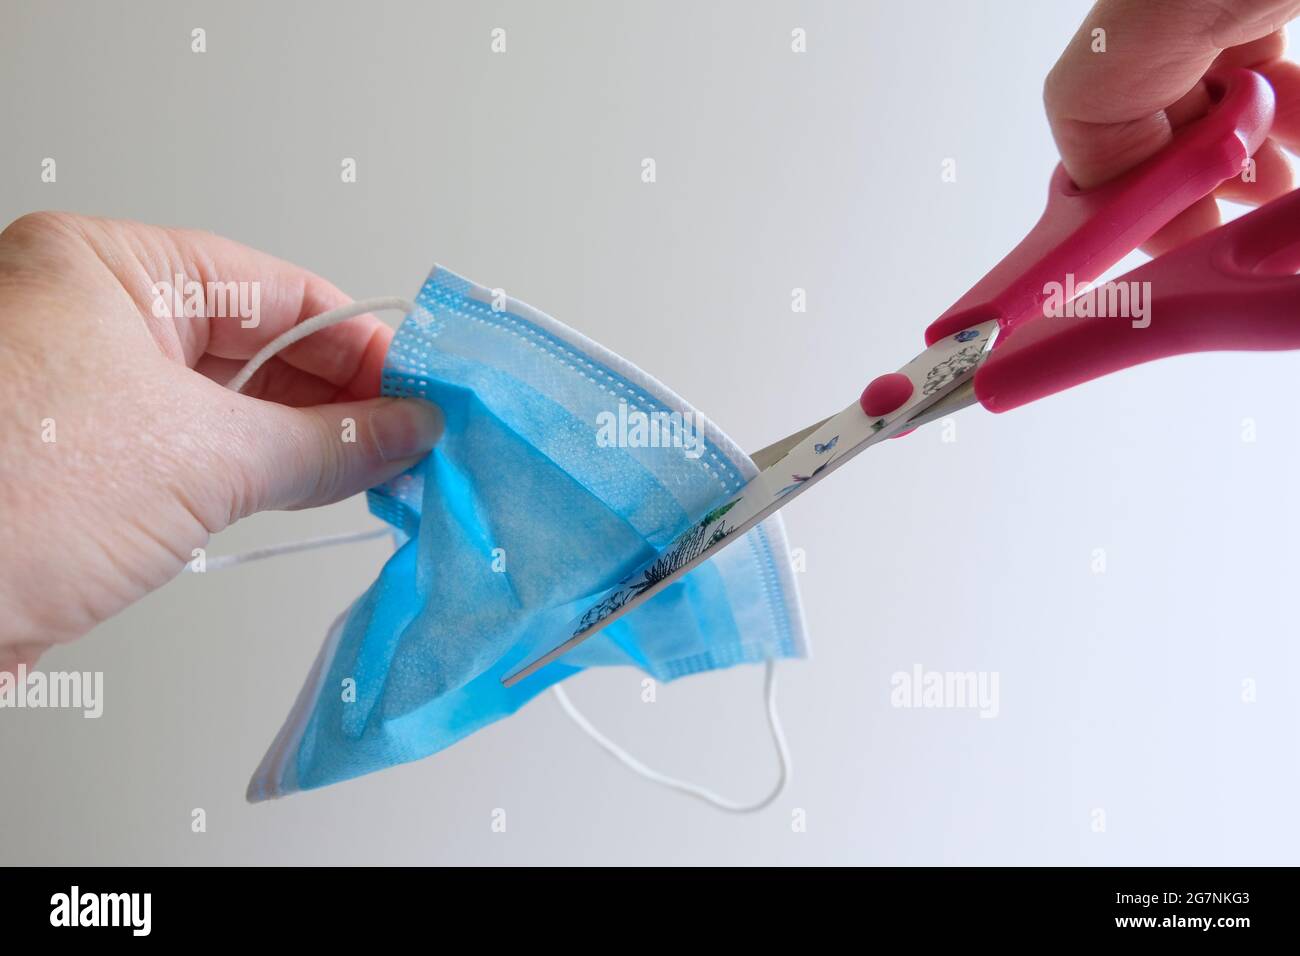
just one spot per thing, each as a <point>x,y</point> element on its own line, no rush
<point>769,456</point>
<point>960,397</point>
<point>935,374</point>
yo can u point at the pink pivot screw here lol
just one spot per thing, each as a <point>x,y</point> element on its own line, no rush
<point>885,394</point>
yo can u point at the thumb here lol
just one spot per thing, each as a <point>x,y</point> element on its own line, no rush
<point>302,457</point>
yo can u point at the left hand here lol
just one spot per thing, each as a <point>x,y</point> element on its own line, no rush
<point>123,452</point>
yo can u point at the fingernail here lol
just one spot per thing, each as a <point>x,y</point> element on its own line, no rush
<point>405,427</point>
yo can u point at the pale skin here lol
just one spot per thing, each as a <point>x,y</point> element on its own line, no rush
<point>1109,111</point>
<point>152,455</point>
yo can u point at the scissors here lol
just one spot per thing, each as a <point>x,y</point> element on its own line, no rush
<point>1008,341</point>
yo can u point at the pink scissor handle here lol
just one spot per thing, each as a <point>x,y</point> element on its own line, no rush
<point>1081,234</point>
<point>1232,289</point>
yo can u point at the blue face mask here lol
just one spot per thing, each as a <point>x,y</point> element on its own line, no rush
<point>562,468</point>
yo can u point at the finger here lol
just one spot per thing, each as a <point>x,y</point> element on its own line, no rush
<point>1284,76</point>
<point>349,355</point>
<point>1197,101</point>
<point>276,295</point>
<point>1107,109</point>
<point>1266,48</point>
<point>1272,177</point>
<point>13,656</point>
<point>353,362</point>
<point>1190,107</point>
<point>1197,219</point>
<point>282,457</point>
<point>275,381</point>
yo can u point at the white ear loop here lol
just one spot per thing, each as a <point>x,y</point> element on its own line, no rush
<point>222,561</point>
<point>682,786</point>
<point>342,314</point>
<point>315,324</point>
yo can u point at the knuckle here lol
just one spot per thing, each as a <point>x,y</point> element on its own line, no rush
<point>1057,90</point>
<point>43,226</point>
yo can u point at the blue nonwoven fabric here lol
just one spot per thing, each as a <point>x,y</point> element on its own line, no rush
<point>506,532</point>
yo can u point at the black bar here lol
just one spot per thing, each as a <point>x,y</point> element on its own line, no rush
<point>530,906</point>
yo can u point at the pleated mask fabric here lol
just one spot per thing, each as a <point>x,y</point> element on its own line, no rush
<point>518,518</point>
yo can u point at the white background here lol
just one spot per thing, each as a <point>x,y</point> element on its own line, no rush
<point>1120,691</point>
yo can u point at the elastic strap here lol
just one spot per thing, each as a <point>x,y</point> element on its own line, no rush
<point>683,786</point>
<point>315,324</point>
<point>222,561</point>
